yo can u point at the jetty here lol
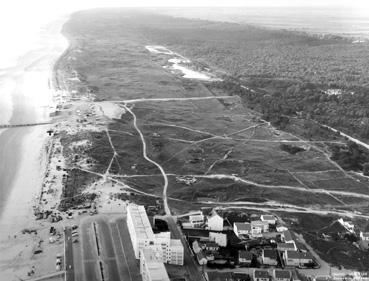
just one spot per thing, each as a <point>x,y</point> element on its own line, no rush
<point>8,126</point>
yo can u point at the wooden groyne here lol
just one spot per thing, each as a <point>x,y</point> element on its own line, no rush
<point>3,126</point>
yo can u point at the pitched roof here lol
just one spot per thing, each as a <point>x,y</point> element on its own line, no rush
<point>259,223</point>
<point>267,217</point>
<point>261,274</point>
<point>272,254</point>
<point>282,274</point>
<point>298,255</point>
<point>287,235</point>
<point>245,255</point>
<point>243,226</point>
<point>219,276</point>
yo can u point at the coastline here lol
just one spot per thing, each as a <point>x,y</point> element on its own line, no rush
<point>23,152</point>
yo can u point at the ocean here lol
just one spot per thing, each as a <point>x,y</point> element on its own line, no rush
<point>346,21</point>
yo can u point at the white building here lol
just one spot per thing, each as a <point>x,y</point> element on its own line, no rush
<point>215,222</point>
<point>350,227</point>
<point>219,238</point>
<point>151,266</point>
<point>142,237</point>
<point>268,218</point>
<point>197,220</point>
<point>241,228</point>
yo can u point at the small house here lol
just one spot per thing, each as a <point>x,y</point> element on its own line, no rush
<point>219,238</point>
<point>259,227</point>
<point>210,246</point>
<point>196,247</point>
<point>296,258</point>
<point>197,220</point>
<point>245,257</point>
<point>241,228</point>
<point>261,275</point>
<point>364,236</point>
<point>270,219</point>
<point>215,221</point>
<point>269,257</point>
<point>282,275</point>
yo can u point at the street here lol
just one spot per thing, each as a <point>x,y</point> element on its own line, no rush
<point>189,261</point>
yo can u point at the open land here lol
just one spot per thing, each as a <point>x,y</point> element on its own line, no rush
<point>144,120</point>
<point>190,135</point>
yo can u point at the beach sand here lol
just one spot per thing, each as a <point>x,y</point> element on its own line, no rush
<point>23,154</point>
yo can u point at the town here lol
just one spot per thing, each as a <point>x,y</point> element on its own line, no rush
<point>209,244</point>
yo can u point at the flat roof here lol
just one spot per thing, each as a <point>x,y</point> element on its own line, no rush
<point>141,222</point>
<point>286,245</point>
<point>285,274</point>
<point>298,255</point>
<point>155,267</point>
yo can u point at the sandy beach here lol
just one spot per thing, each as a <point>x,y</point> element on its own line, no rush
<point>29,98</point>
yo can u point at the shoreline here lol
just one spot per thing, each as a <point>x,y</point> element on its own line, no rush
<point>26,156</point>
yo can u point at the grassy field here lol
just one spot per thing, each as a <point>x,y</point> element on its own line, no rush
<point>217,143</point>
<point>193,137</point>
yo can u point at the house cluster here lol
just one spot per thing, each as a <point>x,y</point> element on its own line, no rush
<point>272,244</point>
<point>362,236</point>
<point>256,275</point>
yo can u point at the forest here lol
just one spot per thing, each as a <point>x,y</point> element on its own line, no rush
<point>325,79</point>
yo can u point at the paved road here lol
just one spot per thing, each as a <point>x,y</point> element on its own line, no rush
<point>68,255</point>
<point>106,251</point>
<point>189,261</point>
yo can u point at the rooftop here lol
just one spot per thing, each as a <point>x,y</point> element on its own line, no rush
<point>141,222</point>
<point>261,274</point>
<point>298,255</point>
<point>245,255</point>
<point>287,235</point>
<point>285,274</point>
<point>243,226</point>
<point>267,217</point>
<point>286,245</point>
<point>155,268</point>
<point>272,254</point>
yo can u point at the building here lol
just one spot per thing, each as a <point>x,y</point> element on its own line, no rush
<point>349,226</point>
<point>142,237</point>
<point>261,275</point>
<point>295,258</point>
<point>245,257</point>
<point>151,266</point>
<point>215,222</point>
<point>364,236</point>
<point>287,237</point>
<point>219,238</point>
<point>282,275</point>
<point>241,228</point>
<point>364,240</point>
<point>210,246</point>
<point>269,257</point>
<point>259,227</point>
<point>281,228</point>
<point>196,247</point>
<point>286,247</point>
<point>197,221</point>
<point>269,219</point>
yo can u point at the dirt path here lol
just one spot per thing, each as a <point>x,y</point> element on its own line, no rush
<point>144,152</point>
